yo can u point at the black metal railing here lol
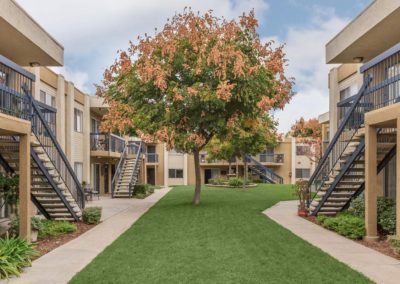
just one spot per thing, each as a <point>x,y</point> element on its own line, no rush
<point>136,148</point>
<point>106,142</point>
<point>263,171</point>
<point>381,88</point>
<point>204,159</point>
<point>118,170</point>
<point>272,158</point>
<point>12,79</point>
<point>349,126</point>
<point>151,158</point>
<point>48,141</point>
<point>131,148</point>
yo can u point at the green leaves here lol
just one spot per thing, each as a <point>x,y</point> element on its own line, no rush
<point>15,254</point>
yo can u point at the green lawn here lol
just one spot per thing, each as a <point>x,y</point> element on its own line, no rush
<point>226,239</point>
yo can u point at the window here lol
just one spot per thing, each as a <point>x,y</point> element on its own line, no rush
<point>175,173</point>
<point>302,150</point>
<point>303,173</point>
<point>78,117</point>
<point>47,99</point>
<point>78,169</point>
<point>95,125</point>
<point>348,92</point>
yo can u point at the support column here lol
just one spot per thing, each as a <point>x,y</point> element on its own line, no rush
<point>69,121</point>
<point>60,103</point>
<point>371,183</point>
<point>398,179</point>
<point>86,137</point>
<point>25,187</point>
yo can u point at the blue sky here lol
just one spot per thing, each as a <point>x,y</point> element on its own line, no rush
<point>91,32</point>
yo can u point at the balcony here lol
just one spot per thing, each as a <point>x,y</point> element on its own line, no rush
<point>204,160</point>
<point>272,158</point>
<point>151,158</point>
<point>106,145</point>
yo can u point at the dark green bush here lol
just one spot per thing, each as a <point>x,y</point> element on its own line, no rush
<point>236,182</point>
<point>141,189</point>
<point>15,254</point>
<point>91,215</point>
<point>36,224</point>
<point>56,228</point>
<point>346,225</point>
<point>394,242</point>
<point>386,212</point>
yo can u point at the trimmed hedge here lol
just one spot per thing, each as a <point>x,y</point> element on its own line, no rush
<point>346,225</point>
<point>91,215</point>
<point>386,212</point>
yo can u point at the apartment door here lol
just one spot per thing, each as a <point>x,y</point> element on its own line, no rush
<point>151,176</point>
<point>106,178</point>
<point>96,177</point>
<point>207,175</point>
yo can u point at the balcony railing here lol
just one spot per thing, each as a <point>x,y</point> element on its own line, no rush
<point>13,101</point>
<point>106,142</point>
<point>151,158</point>
<point>204,160</point>
<point>272,158</point>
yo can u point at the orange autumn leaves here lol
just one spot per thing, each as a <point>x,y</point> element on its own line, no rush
<point>195,58</point>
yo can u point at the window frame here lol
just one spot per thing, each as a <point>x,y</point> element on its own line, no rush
<point>78,115</point>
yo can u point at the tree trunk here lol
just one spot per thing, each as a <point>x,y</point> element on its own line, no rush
<point>244,170</point>
<point>197,189</point>
<point>229,166</point>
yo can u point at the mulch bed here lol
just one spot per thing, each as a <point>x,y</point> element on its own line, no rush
<point>381,246</point>
<point>47,244</point>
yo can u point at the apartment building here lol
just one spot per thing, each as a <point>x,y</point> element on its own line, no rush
<point>364,116</point>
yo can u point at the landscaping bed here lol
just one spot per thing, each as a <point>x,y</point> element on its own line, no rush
<point>49,243</point>
<point>351,224</point>
<point>144,190</point>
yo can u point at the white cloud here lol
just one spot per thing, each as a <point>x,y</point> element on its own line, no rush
<point>305,49</point>
<point>93,30</point>
<point>79,78</point>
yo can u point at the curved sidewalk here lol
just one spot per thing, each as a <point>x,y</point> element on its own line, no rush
<point>61,264</point>
<point>378,267</point>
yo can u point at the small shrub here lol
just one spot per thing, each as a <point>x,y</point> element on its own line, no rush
<point>394,242</point>
<point>91,215</point>
<point>56,228</point>
<point>386,212</point>
<point>151,188</point>
<point>15,254</point>
<point>212,181</point>
<point>141,189</point>
<point>236,182</point>
<point>140,196</point>
<point>346,225</point>
<point>36,224</point>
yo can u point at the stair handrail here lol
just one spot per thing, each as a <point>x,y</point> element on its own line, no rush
<point>34,111</point>
<point>136,164</point>
<point>272,175</point>
<point>118,170</point>
<point>324,162</point>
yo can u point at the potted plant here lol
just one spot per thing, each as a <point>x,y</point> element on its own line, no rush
<point>303,193</point>
<point>36,226</point>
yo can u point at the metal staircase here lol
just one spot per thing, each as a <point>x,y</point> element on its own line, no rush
<point>127,172</point>
<point>55,189</point>
<point>339,176</point>
<point>267,175</point>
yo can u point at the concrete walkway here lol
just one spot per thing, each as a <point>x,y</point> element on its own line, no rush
<point>378,267</point>
<point>61,264</point>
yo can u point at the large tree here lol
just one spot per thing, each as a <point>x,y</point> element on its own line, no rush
<point>193,79</point>
<point>309,132</point>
